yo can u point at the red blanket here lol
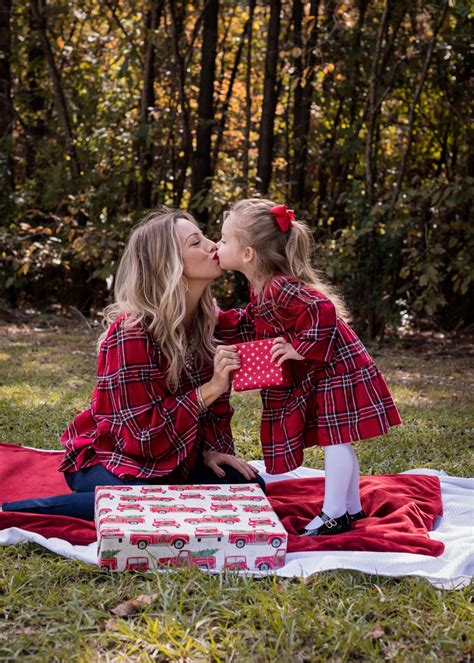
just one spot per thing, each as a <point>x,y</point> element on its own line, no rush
<point>401,508</point>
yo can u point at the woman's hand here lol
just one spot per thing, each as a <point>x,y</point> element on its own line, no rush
<point>214,459</point>
<point>226,360</point>
<point>282,350</point>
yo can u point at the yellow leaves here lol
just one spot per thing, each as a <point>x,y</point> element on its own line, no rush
<point>329,68</point>
<point>60,43</point>
<point>35,230</point>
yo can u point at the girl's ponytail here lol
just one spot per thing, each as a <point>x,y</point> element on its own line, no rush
<point>300,250</point>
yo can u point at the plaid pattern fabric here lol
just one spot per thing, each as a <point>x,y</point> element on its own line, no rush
<point>338,393</point>
<point>134,426</point>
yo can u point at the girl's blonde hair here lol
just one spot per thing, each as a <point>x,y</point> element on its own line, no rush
<point>282,253</point>
<point>150,288</point>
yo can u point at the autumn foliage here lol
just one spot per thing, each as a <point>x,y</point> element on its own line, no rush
<point>353,113</point>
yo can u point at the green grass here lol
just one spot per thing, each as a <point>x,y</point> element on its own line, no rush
<point>57,609</point>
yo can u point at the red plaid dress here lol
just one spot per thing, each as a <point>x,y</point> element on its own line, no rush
<point>338,393</point>
<point>134,426</point>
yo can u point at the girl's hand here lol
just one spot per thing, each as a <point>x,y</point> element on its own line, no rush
<point>214,459</point>
<point>282,350</point>
<point>226,360</point>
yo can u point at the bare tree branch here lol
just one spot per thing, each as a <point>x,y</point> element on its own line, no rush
<point>113,11</point>
<point>414,103</point>
<point>59,96</point>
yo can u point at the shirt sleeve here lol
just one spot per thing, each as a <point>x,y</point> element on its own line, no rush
<point>313,320</point>
<point>135,406</point>
<point>217,429</point>
<point>236,325</point>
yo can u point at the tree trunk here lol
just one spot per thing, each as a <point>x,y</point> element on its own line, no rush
<point>187,144</point>
<point>228,96</point>
<point>355,68</point>
<point>326,168</point>
<point>147,102</point>
<point>36,130</point>
<point>248,102</point>
<point>37,7</point>
<point>370,175</point>
<point>6,110</point>
<point>270,97</point>
<point>202,163</point>
<point>303,100</point>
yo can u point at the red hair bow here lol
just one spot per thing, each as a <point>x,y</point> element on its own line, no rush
<point>284,217</point>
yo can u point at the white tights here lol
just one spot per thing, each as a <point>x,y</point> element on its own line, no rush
<point>341,485</point>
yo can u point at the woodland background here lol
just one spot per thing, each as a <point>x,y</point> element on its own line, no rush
<point>356,114</point>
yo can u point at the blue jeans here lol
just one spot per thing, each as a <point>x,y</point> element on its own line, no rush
<point>80,504</point>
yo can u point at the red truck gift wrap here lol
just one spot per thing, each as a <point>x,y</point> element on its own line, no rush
<point>225,527</point>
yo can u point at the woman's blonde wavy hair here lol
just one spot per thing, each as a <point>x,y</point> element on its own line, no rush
<point>282,253</point>
<point>150,288</point>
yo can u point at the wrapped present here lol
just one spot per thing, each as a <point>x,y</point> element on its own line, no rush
<point>257,370</point>
<point>214,527</point>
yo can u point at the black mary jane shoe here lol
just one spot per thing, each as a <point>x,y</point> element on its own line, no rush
<point>331,526</point>
<point>357,516</point>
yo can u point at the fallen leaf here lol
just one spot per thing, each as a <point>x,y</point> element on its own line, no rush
<point>132,606</point>
<point>377,632</point>
<point>111,625</point>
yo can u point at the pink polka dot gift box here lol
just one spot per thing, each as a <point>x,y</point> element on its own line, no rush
<point>257,370</point>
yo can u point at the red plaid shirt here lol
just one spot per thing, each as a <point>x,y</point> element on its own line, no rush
<point>134,426</point>
<point>338,393</point>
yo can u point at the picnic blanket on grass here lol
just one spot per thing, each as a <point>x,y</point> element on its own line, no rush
<point>403,535</point>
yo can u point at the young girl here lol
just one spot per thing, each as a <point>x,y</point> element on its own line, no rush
<point>339,395</point>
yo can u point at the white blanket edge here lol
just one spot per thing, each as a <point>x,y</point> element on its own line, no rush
<point>451,570</point>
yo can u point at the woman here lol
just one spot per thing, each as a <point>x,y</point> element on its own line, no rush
<point>160,412</point>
